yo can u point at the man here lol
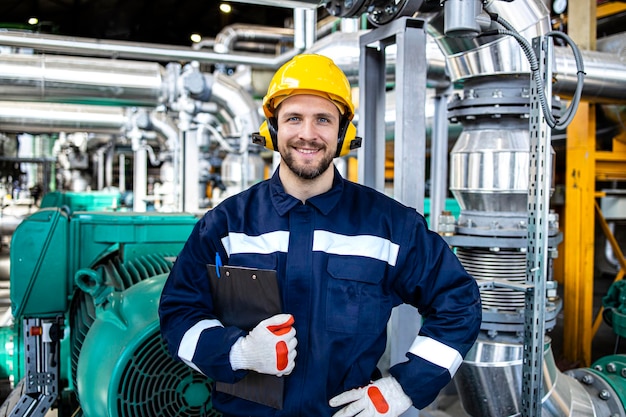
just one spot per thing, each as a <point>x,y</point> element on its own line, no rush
<point>344,255</point>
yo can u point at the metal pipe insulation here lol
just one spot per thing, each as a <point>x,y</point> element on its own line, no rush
<point>258,38</point>
<point>226,40</point>
<point>95,81</point>
<point>132,50</point>
<point>33,117</point>
<point>470,57</point>
<point>239,105</point>
<point>81,80</point>
<point>303,34</point>
<point>240,36</point>
<point>493,371</point>
<point>133,83</point>
<point>605,76</point>
<point>489,56</point>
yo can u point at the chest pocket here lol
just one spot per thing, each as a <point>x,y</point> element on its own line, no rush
<point>253,260</point>
<point>355,297</point>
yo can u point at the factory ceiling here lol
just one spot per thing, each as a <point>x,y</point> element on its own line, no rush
<point>152,21</point>
<point>172,22</point>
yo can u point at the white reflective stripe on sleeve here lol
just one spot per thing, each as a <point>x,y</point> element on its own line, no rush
<point>437,353</point>
<point>277,241</point>
<point>361,245</point>
<point>188,344</point>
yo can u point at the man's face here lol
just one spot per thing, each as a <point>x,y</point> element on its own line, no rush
<point>308,127</point>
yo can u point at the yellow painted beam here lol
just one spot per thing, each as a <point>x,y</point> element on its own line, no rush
<point>610,8</point>
<point>611,165</point>
<point>578,242</point>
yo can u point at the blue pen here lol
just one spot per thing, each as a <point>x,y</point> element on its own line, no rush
<point>218,263</point>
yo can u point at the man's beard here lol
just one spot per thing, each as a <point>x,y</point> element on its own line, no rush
<point>305,171</point>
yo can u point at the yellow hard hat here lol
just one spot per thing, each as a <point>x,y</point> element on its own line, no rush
<point>310,74</point>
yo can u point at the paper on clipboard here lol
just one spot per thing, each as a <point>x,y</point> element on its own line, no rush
<point>243,297</point>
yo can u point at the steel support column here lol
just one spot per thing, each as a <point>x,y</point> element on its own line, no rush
<point>409,35</point>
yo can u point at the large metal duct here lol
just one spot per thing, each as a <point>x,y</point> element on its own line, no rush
<point>33,117</point>
<point>492,375</point>
<point>80,80</point>
<point>91,81</point>
<point>133,50</point>
<point>238,104</point>
<point>259,36</point>
<point>470,57</point>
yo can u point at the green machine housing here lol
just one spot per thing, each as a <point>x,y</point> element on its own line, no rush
<point>85,337</point>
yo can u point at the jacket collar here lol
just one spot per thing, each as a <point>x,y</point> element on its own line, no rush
<point>325,202</point>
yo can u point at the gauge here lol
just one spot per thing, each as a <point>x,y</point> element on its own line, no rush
<point>559,6</point>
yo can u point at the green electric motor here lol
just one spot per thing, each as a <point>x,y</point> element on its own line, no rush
<point>124,369</point>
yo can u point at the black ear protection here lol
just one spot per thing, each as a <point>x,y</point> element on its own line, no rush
<point>348,140</point>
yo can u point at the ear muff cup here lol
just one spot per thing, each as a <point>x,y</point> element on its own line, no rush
<point>348,140</point>
<point>264,137</point>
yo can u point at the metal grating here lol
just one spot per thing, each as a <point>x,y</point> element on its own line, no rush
<point>153,384</point>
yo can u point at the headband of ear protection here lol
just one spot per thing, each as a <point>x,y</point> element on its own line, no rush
<point>348,140</point>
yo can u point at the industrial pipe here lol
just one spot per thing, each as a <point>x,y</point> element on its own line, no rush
<point>80,80</point>
<point>34,117</point>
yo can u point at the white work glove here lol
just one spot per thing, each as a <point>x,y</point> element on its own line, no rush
<point>383,397</point>
<point>269,348</point>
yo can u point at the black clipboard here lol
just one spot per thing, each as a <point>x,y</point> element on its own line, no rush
<point>243,297</point>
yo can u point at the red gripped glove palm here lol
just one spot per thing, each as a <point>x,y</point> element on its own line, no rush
<point>383,397</point>
<point>269,348</point>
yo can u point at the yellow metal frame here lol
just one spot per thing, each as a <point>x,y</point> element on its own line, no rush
<point>617,251</point>
<point>578,236</point>
<point>585,166</point>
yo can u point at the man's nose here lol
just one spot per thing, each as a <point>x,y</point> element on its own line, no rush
<point>308,129</point>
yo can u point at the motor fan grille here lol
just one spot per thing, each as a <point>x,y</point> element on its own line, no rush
<point>153,384</point>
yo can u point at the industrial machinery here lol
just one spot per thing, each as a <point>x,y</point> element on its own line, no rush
<point>85,278</point>
<point>85,336</point>
<point>501,174</point>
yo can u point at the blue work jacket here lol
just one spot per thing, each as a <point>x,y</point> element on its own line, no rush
<point>344,259</point>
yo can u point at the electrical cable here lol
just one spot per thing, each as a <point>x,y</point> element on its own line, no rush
<point>570,112</point>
